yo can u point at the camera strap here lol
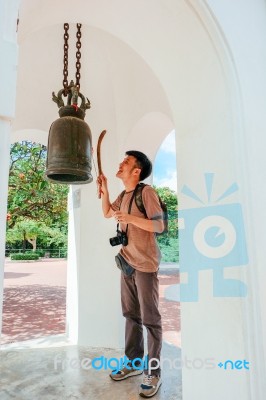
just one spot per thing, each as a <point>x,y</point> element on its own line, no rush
<point>130,203</point>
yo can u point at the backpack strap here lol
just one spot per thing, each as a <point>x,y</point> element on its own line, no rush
<point>138,198</point>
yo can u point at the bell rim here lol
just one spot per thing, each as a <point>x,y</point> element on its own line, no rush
<point>50,173</point>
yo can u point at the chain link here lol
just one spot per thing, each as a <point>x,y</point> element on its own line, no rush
<point>78,55</point>
<point>65,60</point>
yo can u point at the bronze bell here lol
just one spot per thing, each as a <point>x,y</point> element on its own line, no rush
<point>69,148</point>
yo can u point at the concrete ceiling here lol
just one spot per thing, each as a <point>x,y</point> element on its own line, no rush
<point>139,60</point>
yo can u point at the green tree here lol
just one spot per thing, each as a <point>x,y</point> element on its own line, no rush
<point>30,196</point>
<point>168,242</point>
<point>26,230</point>
<point>169,197</point>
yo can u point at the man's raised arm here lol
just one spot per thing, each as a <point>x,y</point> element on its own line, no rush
<point>106,204</point>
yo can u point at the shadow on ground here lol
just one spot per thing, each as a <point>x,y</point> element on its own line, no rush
<point>33,311</point>
<point>170,310</point>
<point>15,275</point>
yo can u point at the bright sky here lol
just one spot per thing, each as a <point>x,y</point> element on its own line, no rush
<point>165,164</point>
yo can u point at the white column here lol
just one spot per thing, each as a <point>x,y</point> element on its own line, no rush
<point>4,168</point>
<point>220,322</point>
<point>8,56</point>
<point>93,286</point>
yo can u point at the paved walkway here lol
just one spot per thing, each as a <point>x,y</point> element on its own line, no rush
<point>35,301</point>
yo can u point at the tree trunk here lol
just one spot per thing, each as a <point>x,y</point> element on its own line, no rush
<point>33,243</point>
<point>24,241</point>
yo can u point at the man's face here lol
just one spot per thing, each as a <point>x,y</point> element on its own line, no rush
<point>127,168</point>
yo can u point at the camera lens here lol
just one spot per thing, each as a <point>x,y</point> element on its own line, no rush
<point>115,241</point>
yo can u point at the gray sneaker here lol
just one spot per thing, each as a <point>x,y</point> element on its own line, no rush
<point>150,385</point>
<point>125,373</point>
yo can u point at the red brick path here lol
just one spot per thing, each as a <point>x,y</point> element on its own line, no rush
<point>35,301</point>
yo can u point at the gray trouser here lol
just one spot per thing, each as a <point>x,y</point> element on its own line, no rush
<point>140,301</point>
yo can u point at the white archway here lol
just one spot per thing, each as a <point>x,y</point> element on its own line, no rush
<point>148,133</point>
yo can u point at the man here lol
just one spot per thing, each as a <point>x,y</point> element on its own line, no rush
<point>139,291</point>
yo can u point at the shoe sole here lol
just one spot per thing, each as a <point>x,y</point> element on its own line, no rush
<point>150,395</point>
<point>135,373</point>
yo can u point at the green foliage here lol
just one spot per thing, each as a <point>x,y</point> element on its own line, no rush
<point>39,252</point>
<point>24,256</point>
<point>29,230</point>
<point>30,195</point>
<point>25,228</point>
<point>57,236</point>
<point>37,209</point>
<point>59,254</point>
<point>170,198</point>
<point>170,251</point>
<point>168,242</point>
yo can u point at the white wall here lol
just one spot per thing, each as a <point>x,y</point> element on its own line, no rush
<point>249,57</point>
<point>8,52</point>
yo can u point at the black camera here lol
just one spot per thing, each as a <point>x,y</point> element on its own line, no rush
<point>120,238</point>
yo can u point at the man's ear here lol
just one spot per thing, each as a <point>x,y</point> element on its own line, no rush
<point>137,172</point>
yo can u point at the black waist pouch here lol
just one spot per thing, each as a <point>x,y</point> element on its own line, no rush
<point>123,265</point>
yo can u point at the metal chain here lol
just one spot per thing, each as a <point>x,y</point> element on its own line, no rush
<point>65,71</point>
<point>78,55</point>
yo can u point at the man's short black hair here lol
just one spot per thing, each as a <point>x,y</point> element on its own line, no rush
<point>142,162</point>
